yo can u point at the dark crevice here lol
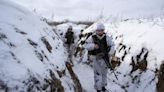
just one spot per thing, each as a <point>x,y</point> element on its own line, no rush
<point>125,53</point>
<point>44,55</point>
<point>2,36</point>
<point>116,37</point>
<point>11,44</point>
<point>139,55</point>
<point>56,85</point>
<point>39,55</point>
<point>138,62</point>
<point>122,47</point>
<point>160,84</point>
<point>14,57</point>
<point>78,87</point>
<point>34,44</point>
<point>61,73</point>
<point>19,31</point>
<point>3,86</point>
<point>47,44</point>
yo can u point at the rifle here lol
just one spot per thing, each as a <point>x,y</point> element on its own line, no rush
<point>105,57</point>
<point>81,42</point>
<point>109,65</point>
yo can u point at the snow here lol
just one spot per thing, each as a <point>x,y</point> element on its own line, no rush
<point>85,74</point>
<point>23,54</point>
<point>138,35</point>
<point>134,34</point>
<point>145,34</point>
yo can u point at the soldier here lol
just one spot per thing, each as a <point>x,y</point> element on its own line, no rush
<point>96,45</point>
<point>69,40</point>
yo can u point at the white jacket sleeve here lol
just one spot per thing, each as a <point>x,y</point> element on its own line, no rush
<point>111,44</point>
<point>89,44</point>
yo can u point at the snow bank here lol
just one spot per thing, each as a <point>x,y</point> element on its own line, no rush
<point>139,48</point>
<point>30,52</point>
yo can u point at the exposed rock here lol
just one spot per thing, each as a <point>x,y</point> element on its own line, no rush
<point>138,62</point>
<point>160,84</point>
<point>2,36</point>
<point>19,31</point>
<point>61,73</point>
<point>47,44</point>
<point>34,44</point>
<point>115,61</point>
<point>78,87</point>
<point>3,86</point>
<point>56,85</point>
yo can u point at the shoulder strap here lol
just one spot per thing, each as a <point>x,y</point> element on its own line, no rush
<point>95,39</point>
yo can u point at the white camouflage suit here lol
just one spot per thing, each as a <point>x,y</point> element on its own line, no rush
<point>99,66</point>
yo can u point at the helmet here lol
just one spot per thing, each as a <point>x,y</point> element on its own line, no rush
<point>100,26</point>
<point>70,27</point>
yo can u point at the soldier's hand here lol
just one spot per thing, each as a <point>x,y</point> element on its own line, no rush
<point>96,46</point>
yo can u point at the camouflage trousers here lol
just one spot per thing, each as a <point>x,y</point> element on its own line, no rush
<point>70,49</point>
<point>100,72</point>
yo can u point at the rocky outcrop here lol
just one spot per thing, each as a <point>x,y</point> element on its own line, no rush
<point>160,84</point>
<point>77,85</point>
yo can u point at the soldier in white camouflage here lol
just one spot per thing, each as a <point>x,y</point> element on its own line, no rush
<point>96,55</point>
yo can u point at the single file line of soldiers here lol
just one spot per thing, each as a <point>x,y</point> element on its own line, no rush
<point>100,49</point>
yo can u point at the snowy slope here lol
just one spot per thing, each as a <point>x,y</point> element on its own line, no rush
<point>30,53</point>
<point>140,49</point>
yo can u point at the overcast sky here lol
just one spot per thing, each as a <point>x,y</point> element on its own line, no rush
<point>91,9</point>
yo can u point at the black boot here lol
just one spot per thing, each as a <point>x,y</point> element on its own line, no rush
<point>103,89</point>
<point>98,91</point>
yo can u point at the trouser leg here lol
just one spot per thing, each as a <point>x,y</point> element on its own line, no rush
<point>104,76</point>
<point>97,74</point>
<point>104,73</point>
<point>100,74</point>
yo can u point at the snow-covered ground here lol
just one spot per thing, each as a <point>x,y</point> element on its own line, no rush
<point>142,40</point>
<point>30,52</point>
<point>140,47</point>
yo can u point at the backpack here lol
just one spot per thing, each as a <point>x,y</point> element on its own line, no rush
<point>70,37</point>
